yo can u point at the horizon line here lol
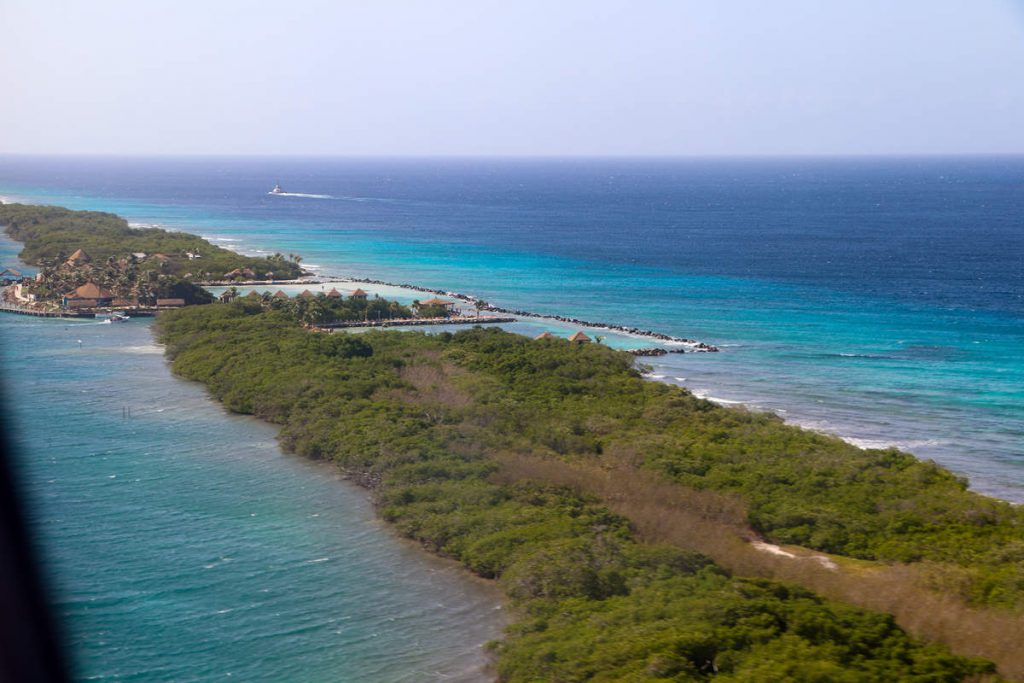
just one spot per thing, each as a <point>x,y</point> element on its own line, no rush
<point>584,156</point>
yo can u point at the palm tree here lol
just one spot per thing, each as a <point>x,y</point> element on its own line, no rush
<point>480,305</point>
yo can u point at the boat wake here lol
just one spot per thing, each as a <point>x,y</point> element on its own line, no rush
<point>301,194</point>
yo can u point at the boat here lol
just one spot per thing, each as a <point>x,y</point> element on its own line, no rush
<point>117,318</point>
<point>277,189</point>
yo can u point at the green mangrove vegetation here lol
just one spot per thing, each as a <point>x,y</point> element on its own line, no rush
<point>426,420</point>
<point>52,234</point>
<point>324,309</point>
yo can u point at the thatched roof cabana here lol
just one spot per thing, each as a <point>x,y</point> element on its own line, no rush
<point>78,258</point>
<point>437,302</point>
<point>579,337</point>
<point>545,335</point>
<point>91,290</point>
<point>280,295</point>
<point>334,293</point>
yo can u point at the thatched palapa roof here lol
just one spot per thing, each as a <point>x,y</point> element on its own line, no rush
<point>578,337</point>
<point>545,335</point>
<point>91,290</point>
<point>79,257</point>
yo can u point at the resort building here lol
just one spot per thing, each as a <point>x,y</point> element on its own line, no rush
<point>448,306</point>
<point>545,335</point>
<point>78,258</point>
<point>579,337</point>
<point>239,273</point>
<point>334,293</point>
<point>89,295</point>
<point>306,294</point>
<point>359,294</point>
<point>280,295</point>
<point>9,275</point>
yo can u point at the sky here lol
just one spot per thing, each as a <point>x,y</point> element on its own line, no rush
<point>516,77</point>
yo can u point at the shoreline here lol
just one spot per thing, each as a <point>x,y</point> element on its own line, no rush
<point>809,420</point>
<point>693,345</point>
<point>792,561</point>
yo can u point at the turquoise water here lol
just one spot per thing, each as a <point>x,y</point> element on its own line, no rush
<point>879,300</point>
<point>182,545</point>
<point>882,301</point>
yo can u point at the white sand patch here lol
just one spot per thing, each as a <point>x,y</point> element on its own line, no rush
<point>772,549</point>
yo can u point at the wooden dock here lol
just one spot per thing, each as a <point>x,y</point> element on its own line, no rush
<point>7,308</point>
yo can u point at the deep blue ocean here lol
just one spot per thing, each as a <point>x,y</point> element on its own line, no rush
<point>878,299</point>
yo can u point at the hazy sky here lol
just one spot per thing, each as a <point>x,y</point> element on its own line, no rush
<point>672,77</point>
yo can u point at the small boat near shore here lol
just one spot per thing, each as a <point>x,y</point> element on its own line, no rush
<point>117,318</point>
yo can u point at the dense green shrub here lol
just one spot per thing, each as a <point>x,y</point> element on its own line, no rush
<point>53,233</point>
<point>420,418</point>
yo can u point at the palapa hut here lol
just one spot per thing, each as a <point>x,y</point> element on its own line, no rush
<point>545,335</point>
<point>579,337</point>
<point>359,294</point>
<point>334,293</point>
<point>10,275</point>
<point>89,295</point>
<point>78,258</point>
<point>242,273</point>
<point>447,305</point>
<point>306,294</point>
<point>253,292</point>
<point>280,295</point>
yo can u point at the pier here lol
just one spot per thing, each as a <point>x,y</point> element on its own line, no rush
<point>8,308</point>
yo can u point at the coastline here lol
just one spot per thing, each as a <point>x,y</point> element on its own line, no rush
<point>693,345</point>
<point>808,421</point>
<point>448,294</point>
<point>837,577</point>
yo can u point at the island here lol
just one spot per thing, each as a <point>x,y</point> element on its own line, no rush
<point>91,261</point>
<point>639,532</point>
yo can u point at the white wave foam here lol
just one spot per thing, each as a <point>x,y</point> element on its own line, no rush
<point>301,194</point>
<point>715,399</point>
<point>905,445</point>
<point>145,348</point>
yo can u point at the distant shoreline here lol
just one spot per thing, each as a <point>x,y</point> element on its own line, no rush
<point>693,345</point>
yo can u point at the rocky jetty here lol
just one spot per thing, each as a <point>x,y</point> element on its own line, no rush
<point>692,344</point>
